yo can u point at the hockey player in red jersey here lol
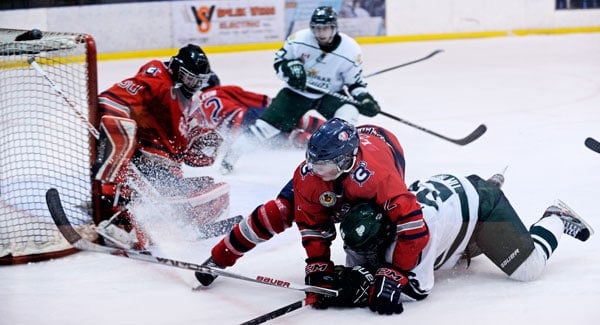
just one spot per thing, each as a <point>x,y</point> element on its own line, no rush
<point>158,100</point>
<point>344,164</point>
<point>232,109</point>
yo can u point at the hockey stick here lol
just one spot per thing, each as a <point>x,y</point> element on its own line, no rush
<point>478,132</point>
<point>592,144</point>
<point>277,312</point>
<point>404,64</point>
<point>64,226</point>
<point>83,118</point>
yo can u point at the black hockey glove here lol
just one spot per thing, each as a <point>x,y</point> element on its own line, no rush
<point>368,106</point>
<point>354,286</point>
<point>320,274</point>
<point>295,74</point>
<point>384,297</point>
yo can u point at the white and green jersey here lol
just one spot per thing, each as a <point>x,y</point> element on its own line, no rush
<point>327,70</point>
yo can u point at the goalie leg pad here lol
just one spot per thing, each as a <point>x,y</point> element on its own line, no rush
<point>114,149</point>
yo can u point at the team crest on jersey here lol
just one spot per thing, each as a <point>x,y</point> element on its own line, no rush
<point>361,174</point>
<point>327,199</point>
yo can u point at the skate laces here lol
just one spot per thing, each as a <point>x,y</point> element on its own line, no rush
<point>574,226</point>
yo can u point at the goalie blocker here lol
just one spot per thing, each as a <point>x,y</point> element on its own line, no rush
<point>199,199</point>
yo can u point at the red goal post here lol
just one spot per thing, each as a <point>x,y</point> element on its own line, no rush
<point>44,143</point>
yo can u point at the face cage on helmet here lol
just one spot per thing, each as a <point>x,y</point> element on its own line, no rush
<point>320,30</point>
<point>189,80</point>
<point>331,169</point>
<point>192,81</point>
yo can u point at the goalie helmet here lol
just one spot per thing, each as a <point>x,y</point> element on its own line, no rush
<point>332,149</point>
<point>323,24</point>
<point>365,228</point>
<point>190,69</point>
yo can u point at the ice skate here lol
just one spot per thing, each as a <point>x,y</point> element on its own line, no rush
<point>574,225</point>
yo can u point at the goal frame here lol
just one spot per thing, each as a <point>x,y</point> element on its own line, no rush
<point>91,74</point>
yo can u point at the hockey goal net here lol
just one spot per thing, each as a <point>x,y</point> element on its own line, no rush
<point>45,142</point>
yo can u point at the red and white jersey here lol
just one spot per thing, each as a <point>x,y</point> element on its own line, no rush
<point>377,175</point>
<point>161,112</point>
<point>224,107</point>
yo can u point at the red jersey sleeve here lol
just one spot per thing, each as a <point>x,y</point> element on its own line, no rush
<point>312,198</point>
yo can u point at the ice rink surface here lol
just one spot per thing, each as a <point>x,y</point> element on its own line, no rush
<point>539,97</point>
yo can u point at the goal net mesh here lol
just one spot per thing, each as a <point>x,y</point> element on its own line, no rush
<point>45,144</point>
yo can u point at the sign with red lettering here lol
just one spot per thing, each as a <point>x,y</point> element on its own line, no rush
<point>227,22</point>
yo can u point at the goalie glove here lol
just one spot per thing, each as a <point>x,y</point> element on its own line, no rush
<point>294,73</point>
<point>368,106</point>
<point>385,294</point>
<point>203,148</point>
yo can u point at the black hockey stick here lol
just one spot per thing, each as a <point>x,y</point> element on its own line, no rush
<point>277,312</point>
<point>404,64</point>
<point>64,226</point>
<point>592,144</point>
<point>478,132</point>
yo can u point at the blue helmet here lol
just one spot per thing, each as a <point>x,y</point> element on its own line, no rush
<point>332,148</point>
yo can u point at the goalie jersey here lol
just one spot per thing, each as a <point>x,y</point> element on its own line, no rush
<point>162,114</point>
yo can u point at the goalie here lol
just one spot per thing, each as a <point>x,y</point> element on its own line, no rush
<point>148,124</point>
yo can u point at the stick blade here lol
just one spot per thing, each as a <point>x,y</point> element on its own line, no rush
<point>476,134</point>
<point>60,218</point>
<point>592,144</point>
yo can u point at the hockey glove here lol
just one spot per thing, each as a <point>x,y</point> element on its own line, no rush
<point>368,106</point>
<point>320,274</point>
<point>384,297</point>
<point>203,148</point>
<point>354,284</point>
<point>294,74</point>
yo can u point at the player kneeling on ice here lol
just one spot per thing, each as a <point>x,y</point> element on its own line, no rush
<point>466,216</point>
<point>148,130</point>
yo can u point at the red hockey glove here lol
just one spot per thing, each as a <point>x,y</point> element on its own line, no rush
<point>320,274</point>
<point>384,297</point>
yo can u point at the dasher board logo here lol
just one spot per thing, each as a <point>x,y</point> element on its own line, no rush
<point>227,22</point>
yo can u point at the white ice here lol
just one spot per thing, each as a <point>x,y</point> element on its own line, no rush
<point>539,97</point>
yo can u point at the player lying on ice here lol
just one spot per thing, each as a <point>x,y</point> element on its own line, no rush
<point>464,217</point>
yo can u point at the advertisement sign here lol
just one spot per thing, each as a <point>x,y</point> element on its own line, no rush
<point>227,22</point>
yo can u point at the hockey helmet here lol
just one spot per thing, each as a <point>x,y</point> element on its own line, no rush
<point>323,24</point>
<point>332,149</point>
<point>365,228</point>
<point>190,69</point>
